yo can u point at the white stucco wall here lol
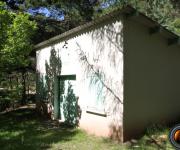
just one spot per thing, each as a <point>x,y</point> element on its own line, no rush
<point>151,79</point>
<point>103,48</point>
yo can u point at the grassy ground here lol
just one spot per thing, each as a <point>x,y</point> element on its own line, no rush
<point>23,129</point>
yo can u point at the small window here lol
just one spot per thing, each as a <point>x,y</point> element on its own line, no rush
<point>96,94</point>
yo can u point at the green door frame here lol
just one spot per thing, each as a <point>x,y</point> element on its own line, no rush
<point>57,102</point>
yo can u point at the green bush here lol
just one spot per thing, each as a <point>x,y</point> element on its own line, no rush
<point>4,103</point>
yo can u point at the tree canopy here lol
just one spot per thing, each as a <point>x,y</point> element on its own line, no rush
<point>16,32</point>
<point>77,12</point>
<point>165,12</point>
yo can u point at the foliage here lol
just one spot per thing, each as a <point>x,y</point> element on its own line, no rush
<point>175,25</point>
<point>77,12</point>
<point>70,107</point>
<point>4,100</point>
<point>16,31</point>
<point>52,70</point>
<point>165,12</point>
<point>81,9</point>
<point>12,88</point>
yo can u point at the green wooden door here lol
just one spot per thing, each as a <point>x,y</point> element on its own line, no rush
<point>65,98</point>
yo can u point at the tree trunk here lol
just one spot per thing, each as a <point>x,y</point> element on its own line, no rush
<point>10,80</point>
<point>17,82</point>
<point>23,100</point>
<point>28,82</point>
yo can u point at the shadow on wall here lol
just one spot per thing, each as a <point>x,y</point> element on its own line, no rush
<point>71,109</point>
<point>53,69</point>
<point>45,85</point>
<point>116,132</point>
<point>112,89</point>
<point>109,43</point>
<point>46,93</point>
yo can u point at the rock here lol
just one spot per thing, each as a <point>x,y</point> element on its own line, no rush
<point>128,144</point>
<point>133,141</point>
<point>163,138</point>
<point>136,146</point>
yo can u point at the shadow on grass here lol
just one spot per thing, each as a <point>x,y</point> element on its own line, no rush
<point>24,129</point>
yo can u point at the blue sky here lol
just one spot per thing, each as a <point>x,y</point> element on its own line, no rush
<point>107,3</point>
<point>51,12</point>
<point>55,13</point>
